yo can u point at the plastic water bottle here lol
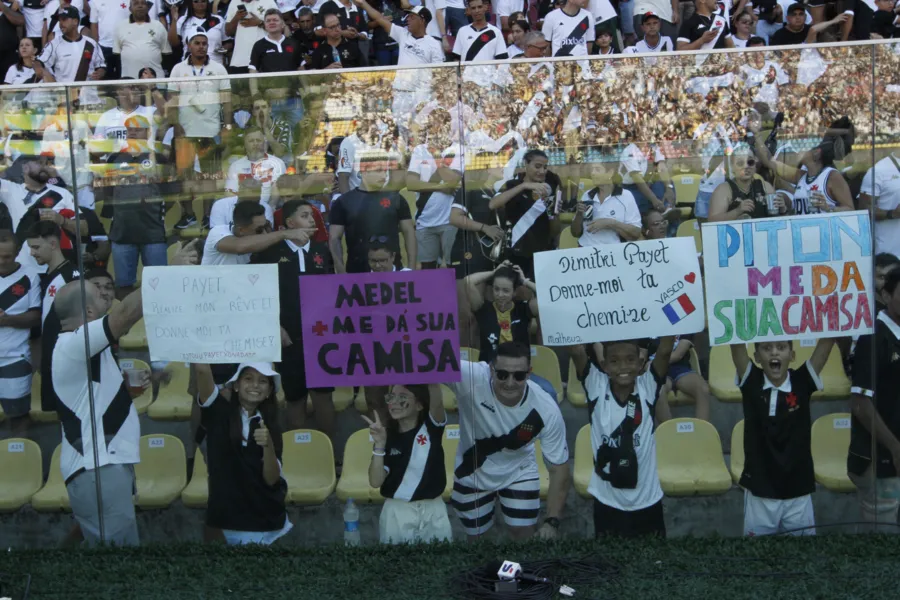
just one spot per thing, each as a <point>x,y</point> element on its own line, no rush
<point>335,56</point>
<point>351,524</point>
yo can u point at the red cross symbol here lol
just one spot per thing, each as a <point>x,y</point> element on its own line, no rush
<point>122,5</point>
<point>814,188</point>
<point>422,439</point>
<point>317,259</point>
<point>52,291</point>
<point>791,400</point>
<point>320,328</point>
<point>385,203</point>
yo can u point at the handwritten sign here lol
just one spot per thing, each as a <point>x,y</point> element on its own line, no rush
<point>212,314</point>
<point>380,328</point>
<point>786,278</point>
<point>619,291</point>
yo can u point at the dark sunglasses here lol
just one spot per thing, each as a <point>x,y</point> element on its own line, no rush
<point>383,239</point>
<point>503,374</point>
<point>751,162</point>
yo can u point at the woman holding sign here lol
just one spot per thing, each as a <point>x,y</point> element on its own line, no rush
<point>246,489</point>
<point>408,465</point>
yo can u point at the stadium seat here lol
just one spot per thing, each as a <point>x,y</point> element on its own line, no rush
<point>450,444</point>
<point>680,398</point>
<point>53,497</point>
<point>689,458</point>
<point>737,451</point>
<point>543,473</point>
<point>308,466</point>
<point>574,390</point>
<point>448,398</point>
<point>340,398</point>
<point>584,461</point>
<point>686,189</point>
<point>21,473</point>
<point>545,363</point>
<point>38,415</point>
<point>691,228</point>
<point>567,240</point>
<point>722,374</point>
<point>144,400</point>
<point>173,403</point>
<point>162,473</point>
<point>136,338</point>
<point>830,442</point>
<point>354,481</point>
<point>196,494</point>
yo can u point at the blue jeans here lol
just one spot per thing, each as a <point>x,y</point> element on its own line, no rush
<point>545,385</point>
<point>125,260</point>
<point>454,19</point>
<point>387,55</point>
<point>626,16</point>
<point>658,188</point>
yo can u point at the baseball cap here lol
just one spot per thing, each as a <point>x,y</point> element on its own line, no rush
<point>264,368</point>
<point>195,32</point>
<point>69,12</point>
<point>422,12</point>
<point>649,15</point>
<point>796,6</point>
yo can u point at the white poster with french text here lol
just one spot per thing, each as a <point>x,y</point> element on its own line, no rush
<point>621,291</point>
<point>212,314</point>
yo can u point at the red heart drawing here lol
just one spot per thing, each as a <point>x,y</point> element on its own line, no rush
<point>154,282</point>
<point>252,278</point>
<point>690,277</point>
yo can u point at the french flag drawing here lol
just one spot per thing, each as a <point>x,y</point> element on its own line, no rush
<point>679,308</point>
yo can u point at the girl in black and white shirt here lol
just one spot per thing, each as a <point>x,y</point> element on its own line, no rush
<point>246,488</point>
<point>408,465</point>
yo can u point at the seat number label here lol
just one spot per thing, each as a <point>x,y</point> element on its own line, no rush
<point>16,447</point>
<point>685,428</point>
<point>157,442</point>
<point>303,437</point>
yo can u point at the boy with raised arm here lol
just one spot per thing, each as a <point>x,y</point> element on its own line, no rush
<point>621,405</point>
<point>778,477</point>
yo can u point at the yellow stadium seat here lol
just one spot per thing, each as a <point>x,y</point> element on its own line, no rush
<point>308,466</point>
<point>144,400</point>
<point>737,451</point>
<point>450,443</point>
<point>722,373</point>
<point>830,442</point>
<point>567,240</point>
<point>340,397</point>
<point>196,494</point>
<point>354,481</point>
<point>686,189</point>
<point>449,399</point>
<point>584,461</point>
<point>691,228</point>
<point>173,403</point>
<point>689,458</point>
<point>36,413</point>
<point>161,475</point>
<point>359,400</point>
<point>53,497</point>
<point>21,473</point>
<point>680,398</point>
<point>543,473</point>
<point>545,363</point>
<point>136,338</point>
<point>574,390</point>
<point>469,354</point>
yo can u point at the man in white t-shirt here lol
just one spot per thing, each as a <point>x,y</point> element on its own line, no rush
<point>881,189</point>
<point>479,41</point>
<point>141,42</point>
<point>111,124</point>
<point>72,56</point>
<point>106,16</point>
<point>652,41</point>
<point>606,214</point>
<point>246,27</point>
<point>257,173</point>
<point>668,11</point>
<point>249,233</point>
<point>435,184</point>
<point>569,29</point>
<point>502,413</point>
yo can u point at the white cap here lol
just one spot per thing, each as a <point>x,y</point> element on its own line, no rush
<point>194,32</point>
<point>264,368</point>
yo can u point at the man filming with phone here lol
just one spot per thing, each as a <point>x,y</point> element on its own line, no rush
<point>707,29</point>
<point>244,21</point>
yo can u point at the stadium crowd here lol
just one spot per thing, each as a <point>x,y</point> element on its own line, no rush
<point>472,168</point>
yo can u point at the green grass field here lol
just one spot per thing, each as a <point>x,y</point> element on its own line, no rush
<point>865,567</point>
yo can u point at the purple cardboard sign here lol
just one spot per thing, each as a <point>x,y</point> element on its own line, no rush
<point>380,328</point>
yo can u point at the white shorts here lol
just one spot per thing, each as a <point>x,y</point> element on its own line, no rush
<point>403,522</point>
<point>520,503</point>
<point>765,516</point>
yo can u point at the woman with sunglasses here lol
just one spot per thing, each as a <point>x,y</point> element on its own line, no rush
<point>198,16</point>
<point>408,465</point>
<point>743,195</point>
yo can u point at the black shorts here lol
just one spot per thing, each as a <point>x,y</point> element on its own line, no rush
<point>292,369</point>
<point>609,521</point>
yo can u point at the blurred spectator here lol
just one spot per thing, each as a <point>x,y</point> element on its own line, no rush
<point>743,29</point>
<point>604,44</point>
<point>434,182</point>
<point>455,12</point>
<point>370,214</point>
<point>796,32</point>
<point>382,259</point>
<point>651,40</point>
<point>336,52</point>
<point>517,31</point>
<point>606,23</point>
<point>82,341</point>
<point>256,174</point>
<point>72,56</point>
<point>667,12</point>
<point>111,124</point>
<point>106,16</point>
<point>570,29</point>
<point>275,53</point>
<point>202,106</point>
<point>20,311</point>
<point>33,11</point>
<point>250,232</point>
<point>743,196</point>
<point>354,27</point>
<point>527,205</point>
<point>682,378</point>
<point>244,22</point>
<point>885,22</point>
<point>476,42</point>
<point>437,28</point>
<point>705,29</point>
<point>140,42</point>
<point>298,257</point>
<point>654,225</point>
<point>880,192</point>
<point>385,48</point>
<point>23,71</point>
<point>305,34</point>
<point>138,227</point>
<point>10,18</point>
<point>197,16</point>
<point>51,19</point>
<point>884,264</point>
<point>536,45</point>
<point>638,173</point>
<point>606,214</point>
